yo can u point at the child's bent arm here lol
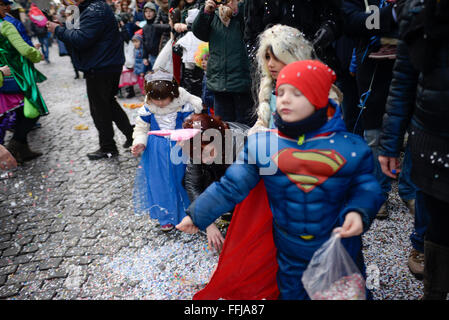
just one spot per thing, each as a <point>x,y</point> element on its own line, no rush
<point>195,101</point>
<point>140,134</point>
<point>364,194</point>
<point>223,196</point>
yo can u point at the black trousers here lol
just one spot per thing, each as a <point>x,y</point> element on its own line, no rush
<point>104,108</point>
<point>438,227</point>
<point>235,107</point>
<point>23,126</point>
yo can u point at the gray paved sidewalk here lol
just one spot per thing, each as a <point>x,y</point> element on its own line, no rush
<point>68,230</point>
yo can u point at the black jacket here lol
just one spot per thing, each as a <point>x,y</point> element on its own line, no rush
<point>308,16</point>
<point>377,72</point>
<point>97,44</point>
<point>162,27</point>
<point>419,98</point>
<point>199,176</point>
<point>151,39</point>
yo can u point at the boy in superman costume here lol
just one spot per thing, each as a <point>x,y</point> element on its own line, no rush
<point>322,183</point>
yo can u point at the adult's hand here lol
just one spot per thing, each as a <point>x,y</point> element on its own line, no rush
<point>180,27</point>
<point>51,26</point>
<point>7,161</point>
<point>389,166</point>
<point>6,71</point>
<point>210,6</point>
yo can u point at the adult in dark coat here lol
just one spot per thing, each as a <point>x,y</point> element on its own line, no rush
<point>97,50</point>
<point>373,78</point>
<point>419,98</point>
<point>161,23</point>
<point>228,67</point>
<point>321,22</point>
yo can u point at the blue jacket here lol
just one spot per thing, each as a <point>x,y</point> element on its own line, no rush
<point>310,187</point>
<point>21,28</point>
<point>97,45</point>
<point>139,67</point>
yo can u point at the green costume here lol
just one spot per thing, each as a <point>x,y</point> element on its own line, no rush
<point>20,58</point>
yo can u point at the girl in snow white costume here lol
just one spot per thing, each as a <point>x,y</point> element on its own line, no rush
<point>158,189</point>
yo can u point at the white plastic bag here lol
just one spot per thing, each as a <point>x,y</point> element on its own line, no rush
<point>129,55</point>
<point>332,274</point>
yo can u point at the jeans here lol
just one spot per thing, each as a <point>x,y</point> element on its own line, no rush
<point>406,187</point>
<point>348,85</point>
<point>104,108</point>
<point>421,222</point>
<point>234,107</point>
<point>152,60</point>
<point>43,40</point>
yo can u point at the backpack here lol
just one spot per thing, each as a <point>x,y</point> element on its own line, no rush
<point>37,17</point>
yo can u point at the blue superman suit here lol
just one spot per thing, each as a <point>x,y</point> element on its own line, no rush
<point>310,188</point>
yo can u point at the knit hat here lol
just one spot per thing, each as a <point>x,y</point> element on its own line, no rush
<point>150,5</point>
<point>138,35</point>
<point>312,77</point>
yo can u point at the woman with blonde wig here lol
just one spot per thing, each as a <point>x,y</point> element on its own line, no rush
<point>278,46</point>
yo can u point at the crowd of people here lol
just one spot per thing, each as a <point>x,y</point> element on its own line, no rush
<point>342,107</point>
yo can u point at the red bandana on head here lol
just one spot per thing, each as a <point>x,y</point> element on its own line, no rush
<point>312,77</point>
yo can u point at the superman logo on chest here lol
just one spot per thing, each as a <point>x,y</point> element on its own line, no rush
<point>308,169</point>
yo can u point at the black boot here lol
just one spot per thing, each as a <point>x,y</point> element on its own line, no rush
<point>436,271</point>
<point>119,93</point>
<point>129,139</point>
<point>21,151</point>
<point>101,154</point>
<point>130,92</point>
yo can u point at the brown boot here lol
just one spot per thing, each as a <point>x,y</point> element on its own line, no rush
<point>416,263</point>
<point>21,151</point>
<point>383,212</point>
<point>436,271</point>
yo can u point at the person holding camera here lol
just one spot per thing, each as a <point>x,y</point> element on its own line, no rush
<point>228,76</point>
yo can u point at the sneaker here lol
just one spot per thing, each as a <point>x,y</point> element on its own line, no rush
<point>416,263</point>
<point>410,204</point>
<point>167,227</point>
<point>100,154</point>
<point>383,212</point>
<point>385,52</point>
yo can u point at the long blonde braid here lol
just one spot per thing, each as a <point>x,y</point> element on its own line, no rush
<point>288,45</point>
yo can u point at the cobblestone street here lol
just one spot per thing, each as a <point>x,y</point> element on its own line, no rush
<point>68,230</point>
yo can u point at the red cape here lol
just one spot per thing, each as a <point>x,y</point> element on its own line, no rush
<point>247,265</point>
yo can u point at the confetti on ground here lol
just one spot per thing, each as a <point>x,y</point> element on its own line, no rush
<point>81,127</point>
<point>133,105</point>
<point>188,271</point>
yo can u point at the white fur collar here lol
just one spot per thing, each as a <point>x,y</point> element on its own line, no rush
<point>174,106</point>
